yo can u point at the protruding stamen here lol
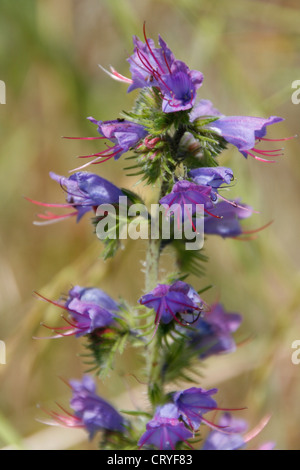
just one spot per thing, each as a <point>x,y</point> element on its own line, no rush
<point>83,138</point>
<point>254,432</point>
<point>259,158</point>
<point>279,140</point>
<point>249,232</point>
<point>44,204</point>
<point>150,50</point>
<point>115,75</point>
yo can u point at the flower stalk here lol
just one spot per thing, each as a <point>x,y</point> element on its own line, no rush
<point>175,142</point>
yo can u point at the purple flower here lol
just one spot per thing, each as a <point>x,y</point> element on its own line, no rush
<point>244,132</point>
<point>185,196</point>
<point>165,430</point>
<point>94,296</point>
<point>227,224</point>
<point>231,439</point>
<point>92,412</point>
<point>123,134</point>
<point>213,177</point>
<point>90,309</point>
<point>157,67</point>
<point>169,300</point>
<point>193,403</point>
<point>233,435</point>
<point>85,192</point>
<point>213,332</point>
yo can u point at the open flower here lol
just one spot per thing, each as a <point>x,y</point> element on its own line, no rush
<point>213,177</point>
<point>182,201</point>
<point>193,403</point>
<point>85,192</point>
<point>227,223</point>
<point>235,437</point>
<point>165,430</point>
<point>232,439</point>
<point>213,332</point>
<point>123,134</point>
<point>89,310</point>
<point>169,300</point>
<point>91,412</point>
<point>244,132</point>
<point>157,67</point>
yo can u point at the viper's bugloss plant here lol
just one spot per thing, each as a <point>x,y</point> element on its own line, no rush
<point>174,141</point>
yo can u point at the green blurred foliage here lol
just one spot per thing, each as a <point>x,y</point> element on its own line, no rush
<point>248,51</point>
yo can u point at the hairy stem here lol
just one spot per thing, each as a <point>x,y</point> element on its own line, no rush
<point>151,281</point>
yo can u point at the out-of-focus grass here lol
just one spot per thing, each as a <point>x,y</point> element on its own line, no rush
<point>49,50</point>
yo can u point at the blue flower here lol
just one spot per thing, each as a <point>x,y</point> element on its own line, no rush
<point>165,430</point>
<point>241,131</point>
<point>231,439</point>
<point>213,332</point>
<point>169,300</point>
<point>157,67</point>
<point>93,411</point>
<point>193,403</point>
<point>123,134</point>
<point>90,310</point>
<point>233,436</point>
<point>227,223</point>
<point>186,195</point>
<point>85,192</point>
<point>213,177</point>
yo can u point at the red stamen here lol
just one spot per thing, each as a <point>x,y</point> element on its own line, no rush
<point>51,216</point>
<point>50,301</point>
<point>83,138</point>
<point>269,153</point>
<point>167,62</point>
<point>248,232</point>
<point>44,204</point>
<point>213,215</point>
<point>116,75</point>
<point>278,140</point>
<point>173,315</point>
<point>99,154</point>
<point>94,162</point>
<point>254,432</point>
<point>146,64</point>
<point>215,426</point>
<point>234,204</point>
<point>260,159</point>
<point>150,50</point>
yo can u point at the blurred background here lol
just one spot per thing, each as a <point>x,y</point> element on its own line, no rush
<point>248,51</point>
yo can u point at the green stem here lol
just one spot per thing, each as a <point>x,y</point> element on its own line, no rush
<point>155,375</point>
<point>152,264</point>
<point>153,348</point>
